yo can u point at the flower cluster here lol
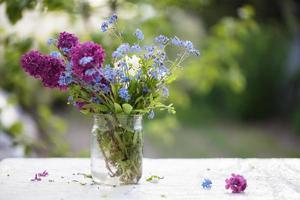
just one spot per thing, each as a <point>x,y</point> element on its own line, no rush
<point>236,183</point>
<point>135,81</point>
<point>44,67</point>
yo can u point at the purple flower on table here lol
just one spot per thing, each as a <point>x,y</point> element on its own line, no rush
<point>85,56</point>
<point>66,41</point>
<point>236,183</point>
<point>43,174</point>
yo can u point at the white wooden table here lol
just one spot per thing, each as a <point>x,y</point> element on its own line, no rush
<point>267,179</point>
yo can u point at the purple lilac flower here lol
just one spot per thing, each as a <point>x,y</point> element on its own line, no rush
<point>151,114</point>
<point>44,67</point>
<point>66,41</point>
<point>31,63</point>
<point>236,183</point>
<point>52,69</point>
<point>139,34</point>
<point>93,55</point>
<point>123,93</point>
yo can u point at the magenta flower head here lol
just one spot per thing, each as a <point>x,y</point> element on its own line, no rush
<point>236,183</point>
<point>52,69</point>
<point>31,63</point>
<point>66,41</point>
<point>44,67</point>
<point>86,57</point>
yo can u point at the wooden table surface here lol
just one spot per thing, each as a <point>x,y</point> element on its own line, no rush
<point>267,179</point>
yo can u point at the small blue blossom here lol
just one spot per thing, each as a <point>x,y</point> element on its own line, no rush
<point>159,72</point>
<point>65,79</point>
<point>206,184</point>
<point>176,41</point>
<point>90,72</point>
<point>112,19</point>
<point>108,73</point>
<point>104,26</point>
<point>150,52</point>
<point>122,49</point>
<point>139,34</point>
<point>165,91</point>
<point>95,100</point>
<point>116,54</point>
<point>145,90</point>
<point>123,93</point>
<point>69,67</point>
<point>65,50</point>
<point>85,60</point>
<point>135,48</point>
<point>55,54</point>
<point>149,48</point>
<point>151,114</point>
<point>51,41</point>
<point>161,40</point>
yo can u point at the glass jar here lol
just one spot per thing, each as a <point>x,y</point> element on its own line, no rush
<point>117,149</point>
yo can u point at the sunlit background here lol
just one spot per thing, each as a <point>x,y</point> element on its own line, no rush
<point>240,98</point>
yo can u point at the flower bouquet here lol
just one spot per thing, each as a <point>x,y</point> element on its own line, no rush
<point>118,92</point>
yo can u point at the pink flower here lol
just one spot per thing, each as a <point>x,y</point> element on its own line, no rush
<point>236,183</point>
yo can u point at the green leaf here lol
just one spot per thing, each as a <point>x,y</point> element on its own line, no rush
<point>127,108</point>
<point>118,108</point>
<point>101,108</point>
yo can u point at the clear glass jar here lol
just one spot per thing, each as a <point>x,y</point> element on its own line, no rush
<point>117,149</point>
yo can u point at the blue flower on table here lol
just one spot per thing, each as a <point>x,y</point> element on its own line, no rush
<point>206,184</point>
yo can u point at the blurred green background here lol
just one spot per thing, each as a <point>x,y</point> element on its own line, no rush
<point>240,98</point>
